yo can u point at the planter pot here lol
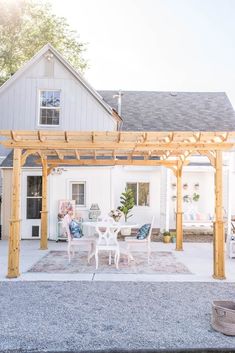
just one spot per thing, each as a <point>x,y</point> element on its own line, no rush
<point>173,239</point>
<point>126,231</point>
<point>166,239</point>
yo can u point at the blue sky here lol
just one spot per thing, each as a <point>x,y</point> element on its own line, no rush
<point>185,45</point>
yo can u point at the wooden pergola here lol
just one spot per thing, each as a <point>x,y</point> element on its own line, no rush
<point>169,149</point>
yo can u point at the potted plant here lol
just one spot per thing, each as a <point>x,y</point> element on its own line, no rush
<point>173,237</point>
<point>173,185</point>
<point>127,203</point>
<point>185,186</point>
<point>174,198</point>
<point>196,197</point>
<point>166,237</point>
<point>196,186</point>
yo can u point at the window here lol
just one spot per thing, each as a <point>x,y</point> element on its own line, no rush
<point>140,192</point>
<point>78,193</point>
<point>34,197</point>
<point>49,108</point>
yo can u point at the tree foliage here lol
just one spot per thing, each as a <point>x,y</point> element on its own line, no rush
<point>25,27</point>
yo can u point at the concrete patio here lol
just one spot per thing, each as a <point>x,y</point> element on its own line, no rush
<point>197,257</point>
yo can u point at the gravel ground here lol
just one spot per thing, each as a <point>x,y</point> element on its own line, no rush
<point>69,316</point>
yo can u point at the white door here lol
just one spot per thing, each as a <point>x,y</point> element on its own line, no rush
<point>31,205</point>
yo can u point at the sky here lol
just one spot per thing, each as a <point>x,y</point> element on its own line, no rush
<point>156,45</point>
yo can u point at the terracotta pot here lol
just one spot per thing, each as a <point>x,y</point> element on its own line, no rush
<point>166,239</point>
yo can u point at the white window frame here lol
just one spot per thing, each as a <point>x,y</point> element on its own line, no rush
<point>85,192</point>
<point>39,107</point>
<point>137,196</point>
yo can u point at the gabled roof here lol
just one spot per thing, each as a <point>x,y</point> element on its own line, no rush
<point>174,111</point>
<point>38,55</point>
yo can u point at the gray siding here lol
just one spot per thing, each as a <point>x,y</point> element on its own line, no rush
<point>19,103</point>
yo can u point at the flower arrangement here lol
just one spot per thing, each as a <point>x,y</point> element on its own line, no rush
<point>116,214</point>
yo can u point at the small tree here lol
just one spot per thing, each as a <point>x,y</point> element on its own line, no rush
<point>127,203</point>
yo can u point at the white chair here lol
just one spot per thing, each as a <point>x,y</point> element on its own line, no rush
<point>77,242</point>
<point>134,241</point>
<point>107,241</point>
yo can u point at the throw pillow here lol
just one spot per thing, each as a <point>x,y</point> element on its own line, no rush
<point>75,229</point>
<point>143,232</point>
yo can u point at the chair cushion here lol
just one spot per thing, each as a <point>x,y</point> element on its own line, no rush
<point>143,231</point>
<point>75,229</point>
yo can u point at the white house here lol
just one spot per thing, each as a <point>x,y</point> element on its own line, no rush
<point>47,93</point>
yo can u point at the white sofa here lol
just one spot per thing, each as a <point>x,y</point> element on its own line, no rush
<point>196,219</point>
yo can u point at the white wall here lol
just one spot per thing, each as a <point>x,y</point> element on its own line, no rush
<point>191,175</point>
<point>104,186</point>
<point>97,191</point>
<point>141,214</point>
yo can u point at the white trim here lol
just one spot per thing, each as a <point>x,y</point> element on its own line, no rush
<point>39,108</point>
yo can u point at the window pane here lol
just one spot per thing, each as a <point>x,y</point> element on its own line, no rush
<point>49,116</point>
<point>34,186</point>
<point>43,98</point>
<point>143,194</point>
<point>56,99</point>
<point>133,187</point>
<point>34,206</point>
<point>50,98</point>
<point>78,193</point>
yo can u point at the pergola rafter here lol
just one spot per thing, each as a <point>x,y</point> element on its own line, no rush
<point>68,148</point>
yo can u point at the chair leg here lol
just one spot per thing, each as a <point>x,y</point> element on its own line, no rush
<point>149,252</point>
<point>117,258</point>
<point>128,254</point>
<point>69,254</point>
<point>96,260</point>
<point>91,253</point>
<point>110,258</point>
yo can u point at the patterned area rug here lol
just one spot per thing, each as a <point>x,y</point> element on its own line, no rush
<point>162,262</point>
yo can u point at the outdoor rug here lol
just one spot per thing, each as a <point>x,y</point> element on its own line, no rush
<point>161,262</point>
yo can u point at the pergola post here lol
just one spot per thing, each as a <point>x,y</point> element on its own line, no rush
<point>179,208</point>
<point>218,240</point>
<point>44,212</point>
<point>14,237</point>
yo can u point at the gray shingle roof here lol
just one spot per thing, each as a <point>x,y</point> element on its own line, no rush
<point>174,111</point>
<point>8,161</point>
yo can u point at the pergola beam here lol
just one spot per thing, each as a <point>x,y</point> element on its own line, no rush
<point>110,162</point>
<point>219,239</point>
<point>174,147</point>
<point>44,211</point>
<point>179,208</point>
<point>14,237</point>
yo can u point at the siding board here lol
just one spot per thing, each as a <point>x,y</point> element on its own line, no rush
<point>19,103</point>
